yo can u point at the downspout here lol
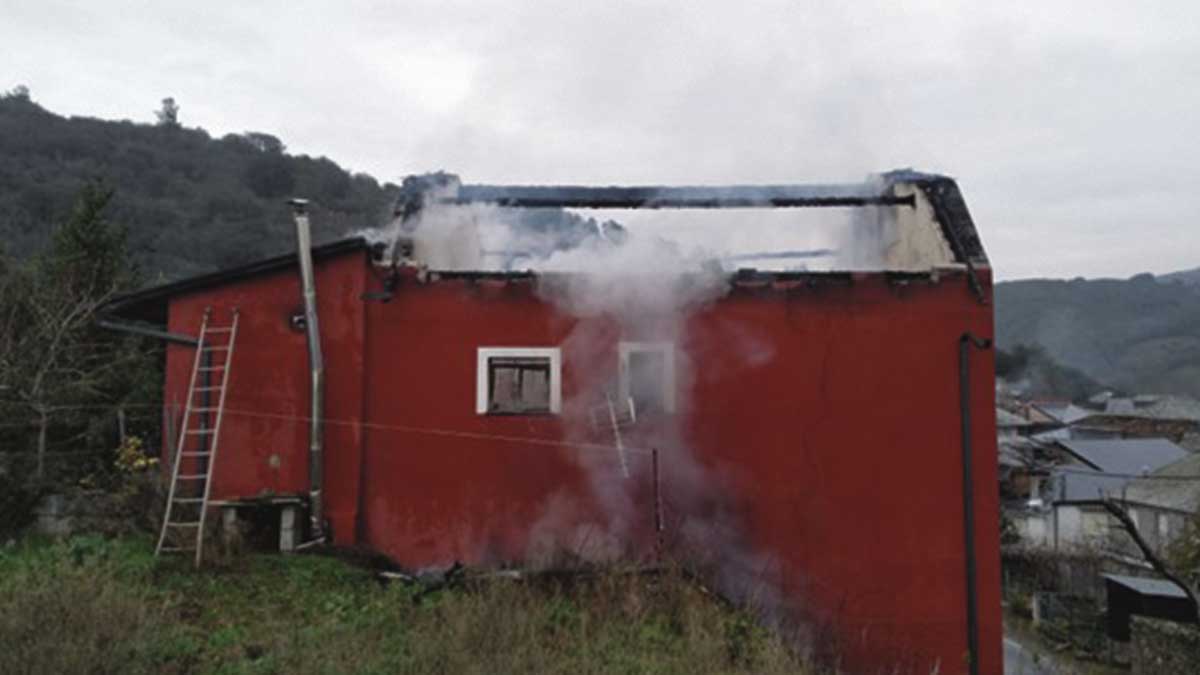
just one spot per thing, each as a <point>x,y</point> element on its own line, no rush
<point>965,343</point>
<point>316,369</point>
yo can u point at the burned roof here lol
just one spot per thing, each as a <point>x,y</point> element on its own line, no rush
<point>939,201</point>
<point>940,191</point>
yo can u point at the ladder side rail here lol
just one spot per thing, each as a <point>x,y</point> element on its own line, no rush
<point>616,430</point>
<point>179,446</point>
<point>215,438</point>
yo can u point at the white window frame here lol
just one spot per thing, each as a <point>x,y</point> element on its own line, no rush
<point>667,349</point>
<point>485,354</point>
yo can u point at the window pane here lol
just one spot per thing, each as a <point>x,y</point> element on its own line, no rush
<point>519,385</point>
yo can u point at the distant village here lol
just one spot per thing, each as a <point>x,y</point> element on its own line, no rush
<point>1095,498</point>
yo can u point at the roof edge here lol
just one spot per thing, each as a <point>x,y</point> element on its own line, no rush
<point>149,303</point>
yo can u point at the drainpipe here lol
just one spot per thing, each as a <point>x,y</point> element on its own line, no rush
<point>965,343</point>
<point>316,367</point>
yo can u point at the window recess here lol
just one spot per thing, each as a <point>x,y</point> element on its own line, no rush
<point>647,376</point>
<point>518,381</point>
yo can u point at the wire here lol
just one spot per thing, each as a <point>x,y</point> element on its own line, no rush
<point>375,426</point>
<point>533,440</point>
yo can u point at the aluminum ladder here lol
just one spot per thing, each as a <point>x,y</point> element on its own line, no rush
<point>196,451</point>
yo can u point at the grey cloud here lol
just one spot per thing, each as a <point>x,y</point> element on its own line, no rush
<point>1073,128</point>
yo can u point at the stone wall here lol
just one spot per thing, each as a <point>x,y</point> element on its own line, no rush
<point>1164,647</point>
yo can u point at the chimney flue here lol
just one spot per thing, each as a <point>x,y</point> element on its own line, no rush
<point>316,367</point>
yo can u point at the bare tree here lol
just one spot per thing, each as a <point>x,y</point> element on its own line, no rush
<point>1122,516</point>
<point>54,360</point>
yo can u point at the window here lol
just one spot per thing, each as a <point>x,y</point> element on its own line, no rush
<point>647,375</point>
<point>518,381</point>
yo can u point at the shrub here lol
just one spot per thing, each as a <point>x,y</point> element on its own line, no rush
<point>19,497</point>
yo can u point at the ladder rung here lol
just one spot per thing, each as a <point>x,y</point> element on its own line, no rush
<point>205,409</point>
<point>191,476</point>
<point>194,523</point>
<point>199,432</point>
<point>209,370</point>
<point>206,388</point>
<point>194,454</point>
<point>176,549</point>
<point>217,349</point>
<point>188,500</point>
<point>220,329</point>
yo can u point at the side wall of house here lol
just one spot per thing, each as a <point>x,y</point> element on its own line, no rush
<point>818,425</point>
<point>263,447</point>
<point>843,447</point>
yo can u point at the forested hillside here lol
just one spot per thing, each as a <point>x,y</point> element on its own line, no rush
<point>1140,335</point>
<point>1188,277</point>
<point>191,203</point>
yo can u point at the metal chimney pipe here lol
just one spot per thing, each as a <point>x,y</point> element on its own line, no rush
<point>316,366</point>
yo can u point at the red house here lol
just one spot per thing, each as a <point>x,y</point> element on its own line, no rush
<point>825,439</point>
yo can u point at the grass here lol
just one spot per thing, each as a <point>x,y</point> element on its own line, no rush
<point>90,605</point>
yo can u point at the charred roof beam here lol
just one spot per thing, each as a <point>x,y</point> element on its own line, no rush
<point>729,197</point>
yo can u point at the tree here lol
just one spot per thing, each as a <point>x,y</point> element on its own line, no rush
<point>263,142</point>
<point>54,360</point>
<point>270,176</point>
<point>168,114</point>
<point>1184,551</point>
<point>1162,567</point>
<point>19,92</point>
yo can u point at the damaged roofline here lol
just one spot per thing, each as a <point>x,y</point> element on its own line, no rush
<point>655,197</point>
<point>888,189</point>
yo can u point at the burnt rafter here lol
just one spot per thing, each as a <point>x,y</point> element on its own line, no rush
<point>654,197</point>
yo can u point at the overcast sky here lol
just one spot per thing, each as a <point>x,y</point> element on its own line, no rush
<point>1073,129</point>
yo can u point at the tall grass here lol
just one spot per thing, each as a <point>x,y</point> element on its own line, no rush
<point>92,606</point>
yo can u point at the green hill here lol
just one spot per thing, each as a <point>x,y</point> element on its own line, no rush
<point>1138,335</point>
<point>192,203</point>
<point>1187,277</point>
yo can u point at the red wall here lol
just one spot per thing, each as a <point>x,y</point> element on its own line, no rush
<point>263,448</point>
<point>824,420</point>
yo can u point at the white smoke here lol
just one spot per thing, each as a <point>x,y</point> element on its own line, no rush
<point>645,287</point>
<point>484,237</point>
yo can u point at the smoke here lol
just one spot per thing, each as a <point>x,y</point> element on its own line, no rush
<point>479,237</point>
<point>646,291</point>
<point>641,286</point>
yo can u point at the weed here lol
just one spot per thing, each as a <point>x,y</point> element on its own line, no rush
<point>99,606</point>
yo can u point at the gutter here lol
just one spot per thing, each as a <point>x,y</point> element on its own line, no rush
<point>965,343</point>
<point>316,363</point>
<point>145,330</point>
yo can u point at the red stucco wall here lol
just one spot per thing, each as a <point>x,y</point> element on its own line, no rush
<point>263,447</point>
<point>824,420</point>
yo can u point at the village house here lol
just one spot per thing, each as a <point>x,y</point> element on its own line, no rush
<point>770,423</point>
<point>1164,501</point>
<point>1068,515</point>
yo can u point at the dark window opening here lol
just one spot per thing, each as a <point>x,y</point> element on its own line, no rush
<point>518,385</point>
<point>648,381</point>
